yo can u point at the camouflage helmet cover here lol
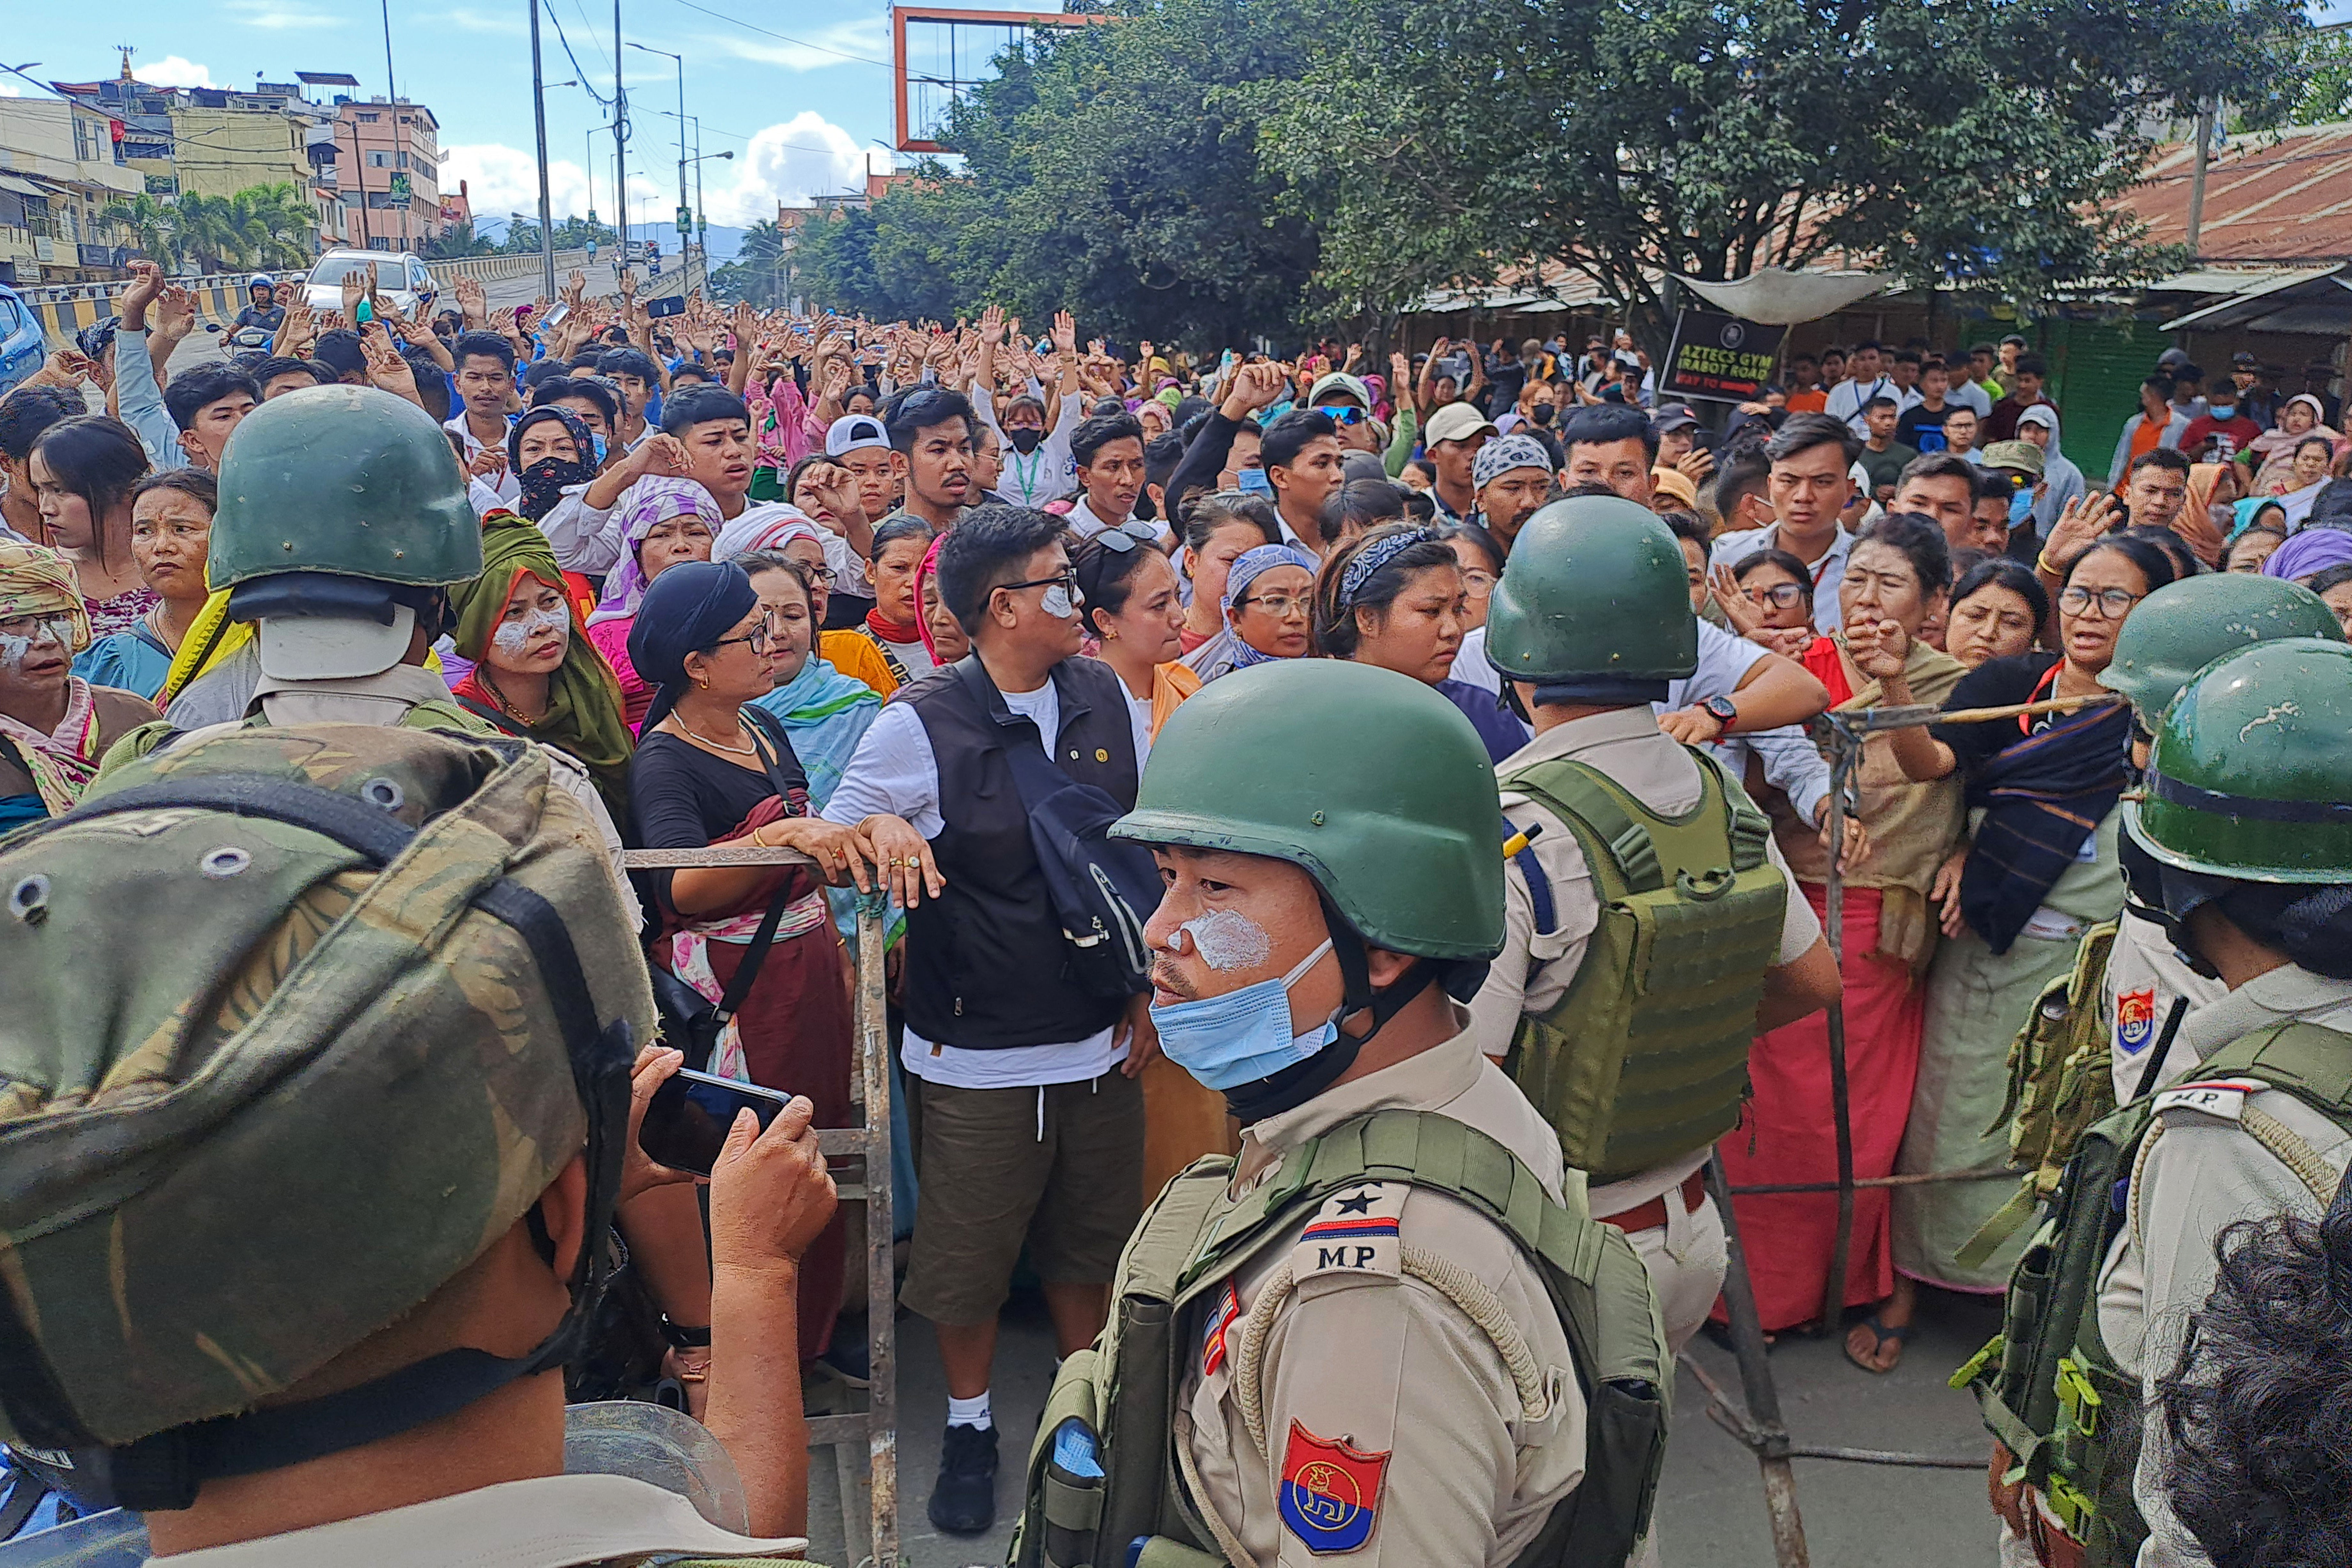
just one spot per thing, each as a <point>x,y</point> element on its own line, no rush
<point>299,1093</point>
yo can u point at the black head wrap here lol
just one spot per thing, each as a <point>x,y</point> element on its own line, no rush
<point>686,609</point>
<point>543,482</point>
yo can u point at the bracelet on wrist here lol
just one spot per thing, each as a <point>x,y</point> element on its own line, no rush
<point>681,1337</point>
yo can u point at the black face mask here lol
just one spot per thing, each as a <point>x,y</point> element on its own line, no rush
<point>1545,413</point>
<point>1024,439</point>
<point>543,484</point>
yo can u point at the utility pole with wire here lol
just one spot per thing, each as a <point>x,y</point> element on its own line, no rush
<point>539,116</point>
<point>620,139</point>
<point>391,91</point>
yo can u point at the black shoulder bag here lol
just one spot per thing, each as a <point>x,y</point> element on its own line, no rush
<point>1103,888</point>
<point>691,1022</point>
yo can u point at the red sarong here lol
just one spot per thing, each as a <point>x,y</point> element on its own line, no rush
<point>1789,1132</point>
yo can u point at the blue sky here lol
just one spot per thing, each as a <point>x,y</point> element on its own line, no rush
<point>793,90</point>
<point>797,91</point>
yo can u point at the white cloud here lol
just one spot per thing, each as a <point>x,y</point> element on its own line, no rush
<point>806,156</point>
<point>172,70</point>
<point>279,15</point>
<point>865,37</point>
<point>467,20</point>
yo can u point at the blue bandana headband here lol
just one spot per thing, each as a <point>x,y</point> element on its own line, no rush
<point>1377,554</point>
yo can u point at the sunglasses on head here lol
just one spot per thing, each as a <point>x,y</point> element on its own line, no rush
<point>1128,535</point>
<point>1342,413</point>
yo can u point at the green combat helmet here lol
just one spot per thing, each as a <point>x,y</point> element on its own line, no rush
<point>1595,605</point>
<point>1367,780</point>
<point>2250,775</point>
<point>398,998</point>
<point>2185,625</point>
<point>342,516</point>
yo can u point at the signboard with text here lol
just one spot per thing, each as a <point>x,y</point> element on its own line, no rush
<point>1717,356</point>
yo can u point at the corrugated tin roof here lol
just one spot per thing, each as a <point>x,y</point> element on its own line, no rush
<point>2282,196</point>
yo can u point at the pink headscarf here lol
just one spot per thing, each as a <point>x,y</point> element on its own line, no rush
<point>922,616</point>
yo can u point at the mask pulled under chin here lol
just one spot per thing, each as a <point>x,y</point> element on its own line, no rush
<point>1243,1036</point>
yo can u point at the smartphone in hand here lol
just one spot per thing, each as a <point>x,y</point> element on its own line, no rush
<point>687,1121</point>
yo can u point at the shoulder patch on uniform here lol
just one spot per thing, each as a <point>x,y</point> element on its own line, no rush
<point>1212,1340</point>
<point>1330,1491</point>
<point>2135,1019</point>
<point>2222,1096</point>
<point>1355,1232</point>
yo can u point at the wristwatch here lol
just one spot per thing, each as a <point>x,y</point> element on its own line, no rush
<point>1723,711</point>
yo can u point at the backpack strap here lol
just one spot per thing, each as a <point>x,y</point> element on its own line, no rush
<point>1617,846</point>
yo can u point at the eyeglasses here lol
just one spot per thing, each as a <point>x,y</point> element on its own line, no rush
<point>1477,583</point>
<point>1128,535</point>
<point>2114,603</point>
<point>1342,413</point>
<point>823,574</point>
<point>1066,579</point>
<point>1281,607</point>
<point>1784,595</point>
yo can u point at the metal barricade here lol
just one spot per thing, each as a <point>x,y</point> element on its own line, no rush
<point>875,1431</point>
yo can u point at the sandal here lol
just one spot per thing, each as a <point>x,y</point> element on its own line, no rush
<point>1880,1333</point>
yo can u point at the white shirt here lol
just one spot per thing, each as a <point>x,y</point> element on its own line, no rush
<point>1138,717</point>
<point>506,488</point>
<point>1968,395</point>
<point>1047,474</point>
<point>1847,397</point>
<point>1085,523</point>
<point>1829,571</point>
<point>895,771</point>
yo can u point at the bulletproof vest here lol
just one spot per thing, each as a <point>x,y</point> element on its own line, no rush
<point>2059,1084</point>
<point>2047,1385</point>
<point>1104,1474</point>
<point>153,737</point>
<point>1645,1056</point>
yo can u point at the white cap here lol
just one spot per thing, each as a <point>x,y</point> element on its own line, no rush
<point>853,432</point>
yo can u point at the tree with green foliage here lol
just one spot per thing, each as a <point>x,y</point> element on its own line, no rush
<point>460,240</point>
<point>1979,143</point>
<point>1112,171</point>
<point>759,271</point>
<point>270,226</point>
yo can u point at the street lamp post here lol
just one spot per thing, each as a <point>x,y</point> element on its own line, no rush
<point>686,239</point>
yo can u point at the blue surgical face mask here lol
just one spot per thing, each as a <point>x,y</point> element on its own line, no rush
<point>1254,482</point>
<point>2020,507</point>
<point>1243,1036</point>
<point>2222,410</point>
<point>598,442</point>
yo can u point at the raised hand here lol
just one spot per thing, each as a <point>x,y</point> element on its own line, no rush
<point>1066,335</point>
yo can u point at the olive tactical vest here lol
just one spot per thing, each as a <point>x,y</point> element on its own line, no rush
<point>1104,1477</point>
<point>1645,1057</point>
<point>2048,1387</point>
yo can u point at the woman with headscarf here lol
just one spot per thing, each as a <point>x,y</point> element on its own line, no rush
<point>824,713</point>
<point>782,530</point>
<point>711,770</point>
<point>1266,619</point>
<point>535,671</point>
<point>54,725</point>
<point>2306,476</point>
<point>2308,553</point>
<point>2271,453</point>
<point>664,523</point>
<point>944,637</point>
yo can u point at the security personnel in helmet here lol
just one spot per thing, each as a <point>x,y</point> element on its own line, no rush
<point>2244,811</point>
<point>2169,636</point>
<point>1387,1333</point>
<point>300,1200</point>
<point>1649,930</point>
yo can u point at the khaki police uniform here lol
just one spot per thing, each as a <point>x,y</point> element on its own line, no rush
<point>2146,975</point>
<point>1664,1211</point>
<point>1331,1365</point>
<point>2203,1170</point>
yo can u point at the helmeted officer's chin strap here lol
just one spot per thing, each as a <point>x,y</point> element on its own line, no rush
<point>1295,1085</point>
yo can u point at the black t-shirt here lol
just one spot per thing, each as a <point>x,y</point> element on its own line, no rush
<point>1886,468</point>
<point>2024,677</point>
<point>685,798</point>
<point>1921,427</point>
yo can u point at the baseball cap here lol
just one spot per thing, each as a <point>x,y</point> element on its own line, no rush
<point>1456,422</point>
<point>2245,361</point>
<point>1673,417</point>
<point>1339,381</point>
<point>2022,455</point>
<point>855,432</point>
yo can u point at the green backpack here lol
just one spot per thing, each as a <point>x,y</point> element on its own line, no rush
<point>1645,1056</point>
<point>2047,1385</point>
<point>1105,1476</point>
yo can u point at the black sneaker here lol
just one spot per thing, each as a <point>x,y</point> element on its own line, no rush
<point>963,1502</point>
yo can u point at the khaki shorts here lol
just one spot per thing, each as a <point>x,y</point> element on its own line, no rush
<point>991,1182</point>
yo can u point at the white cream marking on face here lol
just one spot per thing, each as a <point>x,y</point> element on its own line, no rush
<point>514,637</point>
<point>1229,940</point>
<point>1056,602</point>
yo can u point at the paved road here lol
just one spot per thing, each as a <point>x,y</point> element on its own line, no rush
<point>1711,1505</point>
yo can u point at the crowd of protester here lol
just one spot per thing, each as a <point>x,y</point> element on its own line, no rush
<point>736,561</point>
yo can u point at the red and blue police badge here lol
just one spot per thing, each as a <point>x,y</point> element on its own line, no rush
<point>2135,1019</point>
<point>1330,1491</point>
<point>1212,1342</point>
